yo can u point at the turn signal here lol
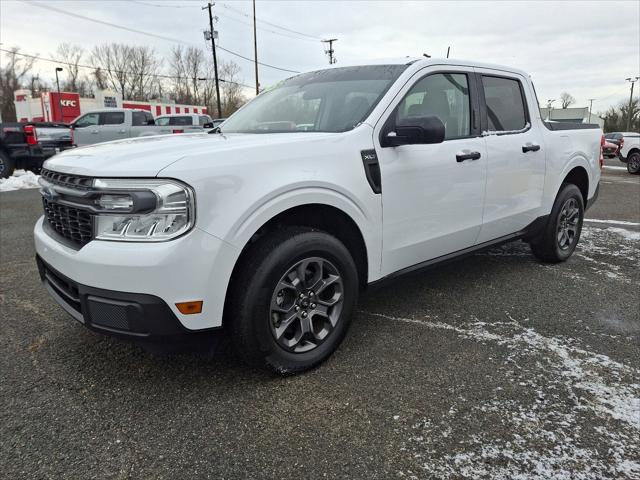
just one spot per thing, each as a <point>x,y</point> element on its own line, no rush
<point>188,308</point>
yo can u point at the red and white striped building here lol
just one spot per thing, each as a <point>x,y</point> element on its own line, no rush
<point>67,106</point>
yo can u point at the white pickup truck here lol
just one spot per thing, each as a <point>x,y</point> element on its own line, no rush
<point>629,151</point>
<point>109,124</point>
<point>326,183</point>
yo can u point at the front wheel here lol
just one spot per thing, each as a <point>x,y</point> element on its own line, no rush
<point>291,304</point>
<point>560,236</point>
<point>633,163</point>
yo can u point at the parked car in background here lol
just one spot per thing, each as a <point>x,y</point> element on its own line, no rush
<point>181,123</point>
<point>333,180</point>
<point>108,124</point>
<point>613,137</point>
<point>629,151</point>
<point>610,150</point>
<point>28,145</point>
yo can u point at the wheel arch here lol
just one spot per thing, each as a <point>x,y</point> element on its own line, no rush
<point>579,177</point>
<point>321,216</point>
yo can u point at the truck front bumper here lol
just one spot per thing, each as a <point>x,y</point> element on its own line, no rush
<point>131,289</point>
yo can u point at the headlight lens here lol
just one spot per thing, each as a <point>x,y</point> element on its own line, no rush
<point>143,210</point>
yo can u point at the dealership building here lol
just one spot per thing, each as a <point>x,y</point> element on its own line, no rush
<point>66,106</point>
<point>571,115</point>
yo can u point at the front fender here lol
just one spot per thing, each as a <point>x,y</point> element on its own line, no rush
<point>278,202</point>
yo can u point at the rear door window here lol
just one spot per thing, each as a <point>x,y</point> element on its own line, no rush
<point>506,110</point>
<point>111,118</point>
<point>139,119</point>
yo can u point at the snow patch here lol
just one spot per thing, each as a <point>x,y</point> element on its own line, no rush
<point>624,233</point>
<point>611,222</point>
<point>579,416</point>
<point>20,179</point>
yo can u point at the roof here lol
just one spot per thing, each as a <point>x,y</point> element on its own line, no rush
<point>425,62</point>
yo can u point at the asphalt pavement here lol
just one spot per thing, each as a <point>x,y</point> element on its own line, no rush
<point>490,367</point>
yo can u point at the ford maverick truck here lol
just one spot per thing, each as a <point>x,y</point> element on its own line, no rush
<point>270,225</point>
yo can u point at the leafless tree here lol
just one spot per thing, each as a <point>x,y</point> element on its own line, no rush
<point>13,74</point>
<point>232,95</point>
<point>144,67</point>
<point>70,55</point>
<point>114,60</point>
<point>567,99</point>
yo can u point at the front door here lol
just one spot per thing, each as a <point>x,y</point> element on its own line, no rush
<point>86,130</point>
<point>432,195</point>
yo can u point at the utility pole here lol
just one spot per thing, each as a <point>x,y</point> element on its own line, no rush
<point>213,34</point>
<point>632,80</point>
<point>255,47</point>
<point>59,69</point>
<point>330,52</point>
<point>590,105</point>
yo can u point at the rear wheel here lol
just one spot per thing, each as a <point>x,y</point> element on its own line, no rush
<point>633,163</point>
<point>561,234</point>
<point>6,165</point>
<point>292,302</point>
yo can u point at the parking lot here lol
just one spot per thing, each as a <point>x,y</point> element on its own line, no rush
<point>493,366</point>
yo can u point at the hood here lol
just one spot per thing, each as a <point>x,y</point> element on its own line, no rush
<point>146,156</point>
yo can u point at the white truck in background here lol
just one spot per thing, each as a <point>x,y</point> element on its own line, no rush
<point>185,122</point>
<point>105,125</point>
<point>629,151</point>
<point>270,225</point>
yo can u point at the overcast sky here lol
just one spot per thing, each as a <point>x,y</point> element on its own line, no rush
<point>585,48</point>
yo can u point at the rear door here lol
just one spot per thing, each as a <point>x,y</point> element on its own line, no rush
<point>113,126</point>
<point>432,194</point>
<point>515,154</point>
<point>142,123</point>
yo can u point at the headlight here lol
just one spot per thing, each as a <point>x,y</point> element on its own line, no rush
<point>142,210</point>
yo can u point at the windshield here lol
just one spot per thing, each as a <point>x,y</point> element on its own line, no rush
<point>334,100</point>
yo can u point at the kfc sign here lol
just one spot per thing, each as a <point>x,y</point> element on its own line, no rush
<point>65,106</point>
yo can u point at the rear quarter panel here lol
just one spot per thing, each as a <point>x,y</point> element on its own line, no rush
<point>566,150</point>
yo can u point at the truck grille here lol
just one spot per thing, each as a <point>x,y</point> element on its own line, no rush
<point>71,223</point>
<point>69,181</point>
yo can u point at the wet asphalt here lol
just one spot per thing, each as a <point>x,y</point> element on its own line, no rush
<point>490,367</point>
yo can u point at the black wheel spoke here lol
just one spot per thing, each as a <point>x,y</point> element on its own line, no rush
<point>306,304</point>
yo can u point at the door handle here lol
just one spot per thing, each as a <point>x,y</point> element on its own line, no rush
<point>122,131</point>
<point>467,155</point>
<point>94,131</point>
<point>530,147</point>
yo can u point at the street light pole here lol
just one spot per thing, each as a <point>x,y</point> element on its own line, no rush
<point>590,105</point>
<point>633,81</point>
<point>255,47</point>
<point>59,69</point>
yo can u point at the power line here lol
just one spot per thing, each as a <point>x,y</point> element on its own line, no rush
<point>306,38</point>
<point>91,67</point>
<point>224,5</point>
<point>149,34</point>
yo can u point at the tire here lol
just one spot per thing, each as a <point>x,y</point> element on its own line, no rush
<point>277,328</point>
<point>561,234</point>
<point>7,165</point>
<point>633,163</point>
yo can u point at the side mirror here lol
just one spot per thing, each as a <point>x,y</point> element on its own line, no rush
<point>208,125</point>
<point>414,131</point>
